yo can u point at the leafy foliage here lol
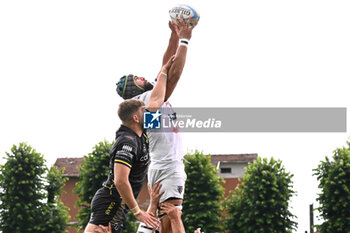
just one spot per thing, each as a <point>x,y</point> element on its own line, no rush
<point>55,183</point>
<point>203,195</point>
<point>21,178</point>
<point>57,217</point>
<point>93,172</point>
<point>334,199</point>
<point>23,205</point>
<point>131,225</point>
<point>260,203</point>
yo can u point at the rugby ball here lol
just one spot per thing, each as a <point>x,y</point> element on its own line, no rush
<point>184,10</point>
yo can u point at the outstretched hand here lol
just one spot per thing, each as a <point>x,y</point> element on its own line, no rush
<point>167,66</point>
<point>103,229</point>
<point>172,211</point>
<point>172,26</point>
<point>154,193</point>
<point>148,219</point>
<point>184,28</point>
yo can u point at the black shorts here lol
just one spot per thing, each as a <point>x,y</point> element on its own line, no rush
<point>107,206</point>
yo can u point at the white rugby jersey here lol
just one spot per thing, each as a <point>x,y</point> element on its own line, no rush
<point>165,145</point>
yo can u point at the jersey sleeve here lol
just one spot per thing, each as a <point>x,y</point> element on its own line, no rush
<point>125,153</point>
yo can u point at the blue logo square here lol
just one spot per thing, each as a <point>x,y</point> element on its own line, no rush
<point>151,120</point>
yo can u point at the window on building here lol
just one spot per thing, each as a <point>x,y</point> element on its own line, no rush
<point>225,170</point>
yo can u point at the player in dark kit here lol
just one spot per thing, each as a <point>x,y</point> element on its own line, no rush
<point>129,158</point>
<point>131,151</point>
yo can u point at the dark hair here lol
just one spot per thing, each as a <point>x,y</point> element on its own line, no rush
<point>127,108</point>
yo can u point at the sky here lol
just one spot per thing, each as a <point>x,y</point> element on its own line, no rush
<point>60,60</point>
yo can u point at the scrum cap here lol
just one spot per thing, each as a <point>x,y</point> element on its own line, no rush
<point>127,88</point>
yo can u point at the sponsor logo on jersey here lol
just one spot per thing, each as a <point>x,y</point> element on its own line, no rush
<point>127,148</point>
<point>110,207</point>
<point>122,154</point>
<point>180,189</point>
<point>144,158</point>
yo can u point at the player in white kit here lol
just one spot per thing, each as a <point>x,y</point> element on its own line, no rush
<point>165,145</point>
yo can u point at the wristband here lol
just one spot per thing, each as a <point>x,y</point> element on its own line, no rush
<point>164,74</point>
<point>137,213</point>
<point>183,42</point>
<point>136,210</point>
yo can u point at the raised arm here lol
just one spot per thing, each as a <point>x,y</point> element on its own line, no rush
<point>158,93</point>
<point>184,31</point>
<point>173,43</point>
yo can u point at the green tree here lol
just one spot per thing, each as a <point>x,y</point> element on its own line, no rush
<point>24,206</point>
<point>93,172</point>
<point>260,203</point>
<point>131,225</point>
<point>57,217</point>
<point>203,196</point>
<point>334,199</point>
<point>21,182</point>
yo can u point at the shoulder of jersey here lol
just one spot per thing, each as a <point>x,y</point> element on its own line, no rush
<point>126,138</point>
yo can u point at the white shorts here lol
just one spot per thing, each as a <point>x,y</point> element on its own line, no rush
<point>172,180</point>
